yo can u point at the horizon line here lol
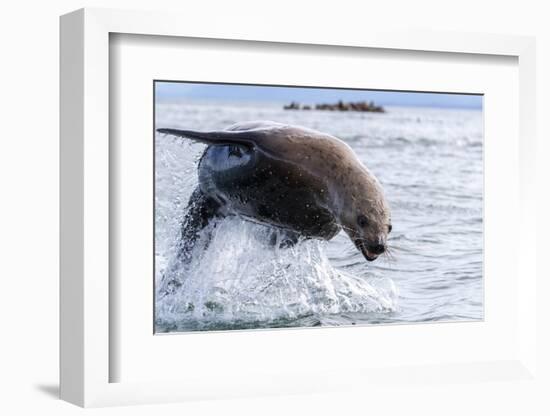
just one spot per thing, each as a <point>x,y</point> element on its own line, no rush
<point>166,90</point>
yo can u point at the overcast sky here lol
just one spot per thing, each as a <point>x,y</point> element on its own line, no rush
<point>229,92</point>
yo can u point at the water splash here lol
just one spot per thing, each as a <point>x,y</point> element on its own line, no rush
<point>242,280</point>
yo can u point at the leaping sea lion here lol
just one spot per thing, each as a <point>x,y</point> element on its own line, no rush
<point>302,181</point>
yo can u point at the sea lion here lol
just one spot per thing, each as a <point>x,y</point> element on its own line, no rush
<point>302,181</point>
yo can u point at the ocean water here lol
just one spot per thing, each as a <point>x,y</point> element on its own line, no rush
<point>430,164</point>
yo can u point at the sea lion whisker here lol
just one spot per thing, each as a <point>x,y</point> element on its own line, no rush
<point>389,254</point>
<point>347,228</point>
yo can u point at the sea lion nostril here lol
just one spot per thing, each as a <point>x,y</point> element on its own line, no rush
<point>377,249</point>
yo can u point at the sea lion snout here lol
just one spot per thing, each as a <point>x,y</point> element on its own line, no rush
<point>370,250</point>
<point>377,248</point>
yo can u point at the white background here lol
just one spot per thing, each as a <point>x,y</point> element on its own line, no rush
<point>29,224</point>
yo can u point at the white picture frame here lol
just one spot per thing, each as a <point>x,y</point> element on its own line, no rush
<point>86,355</point>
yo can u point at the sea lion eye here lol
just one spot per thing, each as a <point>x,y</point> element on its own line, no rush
<point>362,221</point>
<point>389,228</point>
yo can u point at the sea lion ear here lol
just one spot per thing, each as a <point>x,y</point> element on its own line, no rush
<point>246,138</point>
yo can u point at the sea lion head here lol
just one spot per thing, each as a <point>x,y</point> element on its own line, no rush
<point>365,215</point>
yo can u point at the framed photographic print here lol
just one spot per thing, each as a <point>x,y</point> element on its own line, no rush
<point>262,214</point>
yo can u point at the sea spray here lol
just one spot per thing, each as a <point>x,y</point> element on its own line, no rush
<point>243,279</point>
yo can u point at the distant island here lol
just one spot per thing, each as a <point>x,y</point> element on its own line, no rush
<point>362,106</point>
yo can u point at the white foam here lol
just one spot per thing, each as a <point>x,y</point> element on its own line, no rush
<point>241,278</point>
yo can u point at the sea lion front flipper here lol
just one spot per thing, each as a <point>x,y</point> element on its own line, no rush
<point>246,138</point>
<point>279,141</point>
<point>200,211</point>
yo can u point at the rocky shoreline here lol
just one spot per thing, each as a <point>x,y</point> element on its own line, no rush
<point>361,106</point>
